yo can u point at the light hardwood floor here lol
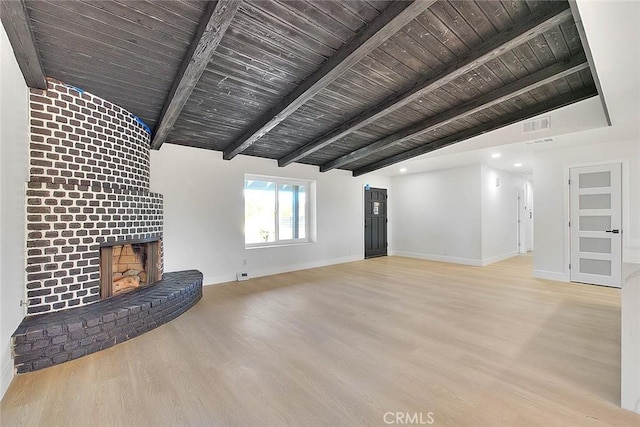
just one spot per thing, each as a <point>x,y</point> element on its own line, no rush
<point>345,344</point>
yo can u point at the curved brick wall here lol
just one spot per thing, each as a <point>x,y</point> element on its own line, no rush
<point>80,139</point>
<point>89,183</point>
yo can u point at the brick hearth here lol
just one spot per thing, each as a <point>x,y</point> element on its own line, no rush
<point>52,338</point>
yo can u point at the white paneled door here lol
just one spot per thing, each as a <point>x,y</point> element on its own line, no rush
<point>596,224</point>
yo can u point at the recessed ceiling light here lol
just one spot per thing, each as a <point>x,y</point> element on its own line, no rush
<point>496,155</point>
<point>517,165</point>
<point>403,170</point>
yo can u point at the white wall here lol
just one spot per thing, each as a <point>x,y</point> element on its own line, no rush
<point>551,257</point>
<point>620,142</point>
<point>630,375</point>
<point>456,215</point>
<point>437,215</point>
<point>204,214</point>
<point>13,175</point>
<point>614,33</point>
<point>499,214</point>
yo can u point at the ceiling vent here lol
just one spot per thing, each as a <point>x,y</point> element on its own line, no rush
<point>538,141</point>
<point>542,123</point>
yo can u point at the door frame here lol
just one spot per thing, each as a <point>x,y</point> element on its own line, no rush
<point>530,220</point>
<point>524,215</point>
<point>364,219</point>
<point>521,246</point>
<point>624,194</point>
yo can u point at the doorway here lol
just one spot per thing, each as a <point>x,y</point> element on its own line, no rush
<point>375,222</point>
<point>595,224</point>
<point>522,218</point>
<point>525,219</point>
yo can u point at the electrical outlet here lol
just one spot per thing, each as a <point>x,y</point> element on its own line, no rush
<point>242,276</point>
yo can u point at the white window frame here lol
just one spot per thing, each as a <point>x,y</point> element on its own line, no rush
<point>308,186</point>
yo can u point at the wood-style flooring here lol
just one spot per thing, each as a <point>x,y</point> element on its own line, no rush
<point>355,344</point>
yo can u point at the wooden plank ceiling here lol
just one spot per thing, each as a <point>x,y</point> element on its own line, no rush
<point>356,85</point>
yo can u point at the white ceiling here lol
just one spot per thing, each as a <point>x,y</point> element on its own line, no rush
<point>613,35</point>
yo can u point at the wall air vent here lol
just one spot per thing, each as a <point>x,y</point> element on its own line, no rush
<point>542,123</point>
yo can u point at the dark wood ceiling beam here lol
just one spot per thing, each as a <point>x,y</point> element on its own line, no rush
<point>549,15</point>
<point>15,20</point>
<point>512,90</point>
<point>390,21</point>
<point>213,25</point>
<point>544,107</point>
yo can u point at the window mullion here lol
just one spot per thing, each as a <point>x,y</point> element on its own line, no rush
<point>296,214</point>
<point>307,212</point>
<point>277,213</point>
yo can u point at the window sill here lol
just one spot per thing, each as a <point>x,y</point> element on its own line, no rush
<point>278,245</point>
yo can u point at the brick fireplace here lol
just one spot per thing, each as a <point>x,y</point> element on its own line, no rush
<point>88,188</point>
<point>94,233</point>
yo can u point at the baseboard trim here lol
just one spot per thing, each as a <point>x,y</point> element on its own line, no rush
<point>498,258</point>
<point>305,266</point>
<point>6,377</point>
<point>551,275</point>
<point>439,258</point>
<point>216,280</point>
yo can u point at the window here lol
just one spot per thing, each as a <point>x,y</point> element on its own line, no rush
<point>276,211</point>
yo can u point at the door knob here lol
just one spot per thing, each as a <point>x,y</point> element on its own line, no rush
<point>615,231</point>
